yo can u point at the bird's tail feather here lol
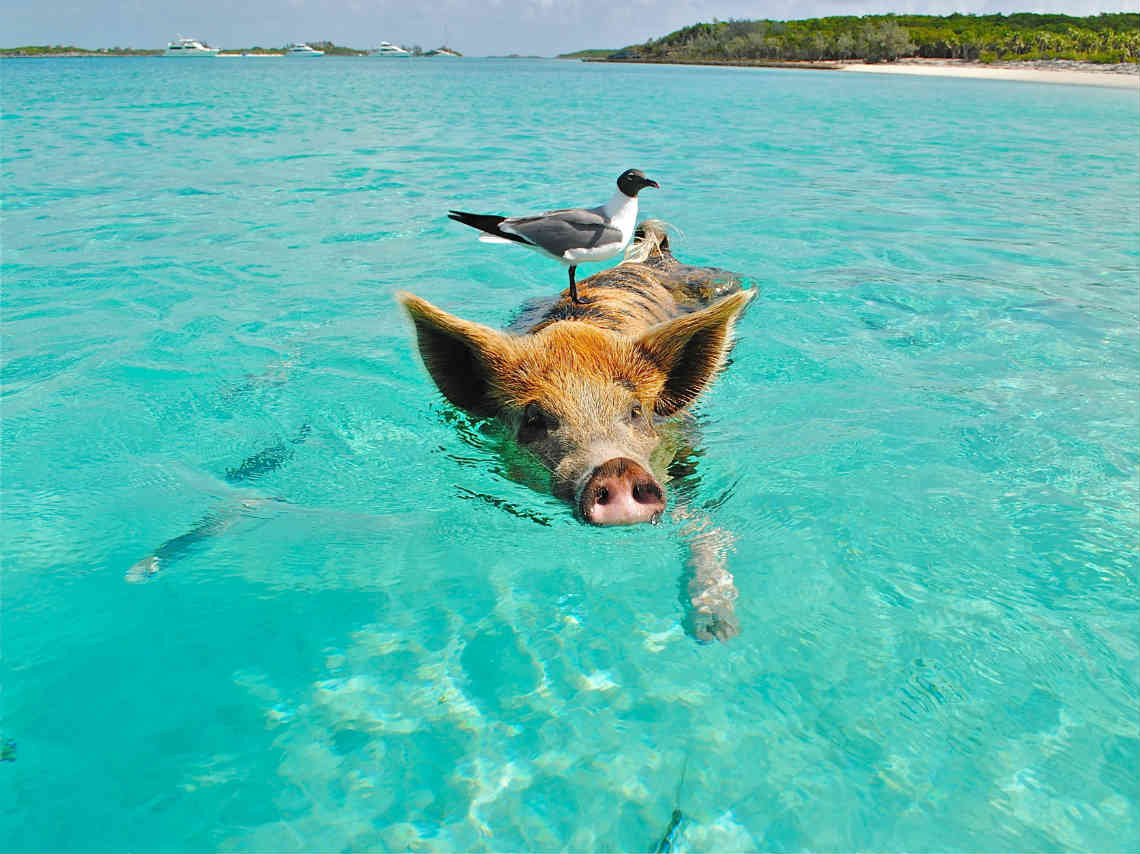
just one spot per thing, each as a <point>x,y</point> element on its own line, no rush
<point>487,223</point>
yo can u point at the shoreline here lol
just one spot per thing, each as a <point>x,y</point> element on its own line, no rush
<point>1066,72</point>
<point>799,65</point>
<point>1062,71</point>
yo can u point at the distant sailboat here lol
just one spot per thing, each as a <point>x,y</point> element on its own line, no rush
<point>443,49</point>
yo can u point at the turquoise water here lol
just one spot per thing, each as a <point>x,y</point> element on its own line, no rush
<point>926,449</point>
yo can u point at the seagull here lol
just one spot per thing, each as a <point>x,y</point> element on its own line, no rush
<point>574,236</point>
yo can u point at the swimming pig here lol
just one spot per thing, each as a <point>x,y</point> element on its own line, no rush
<point>596,391</point>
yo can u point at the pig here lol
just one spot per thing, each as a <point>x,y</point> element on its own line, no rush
<point>598,392</point>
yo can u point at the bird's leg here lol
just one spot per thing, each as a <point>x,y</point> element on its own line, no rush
<point>573,286</point>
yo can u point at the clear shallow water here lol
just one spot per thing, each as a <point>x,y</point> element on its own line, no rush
<point>926,448</point>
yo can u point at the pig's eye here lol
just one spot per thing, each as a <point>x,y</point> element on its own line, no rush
<point>635,413</point>
<point>536,424</point>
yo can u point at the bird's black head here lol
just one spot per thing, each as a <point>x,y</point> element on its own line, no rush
<point>632,181</point>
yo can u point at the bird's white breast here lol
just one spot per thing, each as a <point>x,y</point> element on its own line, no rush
<point>621,210</point>
<point>622,213</point>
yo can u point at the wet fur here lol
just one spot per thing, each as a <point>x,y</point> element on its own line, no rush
<point>630,300</point>
<point>643,338</point>
<point>648,287</point>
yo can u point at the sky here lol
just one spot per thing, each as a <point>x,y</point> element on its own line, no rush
<point>483,28</point>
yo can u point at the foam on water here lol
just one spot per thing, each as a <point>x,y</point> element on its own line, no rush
<point>926,449</point>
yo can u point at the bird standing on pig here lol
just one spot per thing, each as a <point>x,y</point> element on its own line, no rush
<point>596,392</point>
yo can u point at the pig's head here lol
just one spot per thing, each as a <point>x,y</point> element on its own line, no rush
<point>587,402</point>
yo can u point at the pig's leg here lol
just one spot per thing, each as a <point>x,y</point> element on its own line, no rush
<point>707,587</point>
<point>712,593</point>
<point>708,591</point>
<point>210,526</point>
<point>251,468</point>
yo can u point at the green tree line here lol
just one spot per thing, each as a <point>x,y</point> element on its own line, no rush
<point>1110,37</point>
<point>69,50</point>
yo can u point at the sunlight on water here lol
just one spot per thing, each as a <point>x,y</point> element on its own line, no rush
<point>360,633</point>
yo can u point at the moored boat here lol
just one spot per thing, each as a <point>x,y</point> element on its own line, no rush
<point>302,49</point>
<point>189,47</point>
<point>390,50</point>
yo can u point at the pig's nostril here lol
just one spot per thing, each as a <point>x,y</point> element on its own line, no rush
<point>601,495</point>
<point>646,493</point>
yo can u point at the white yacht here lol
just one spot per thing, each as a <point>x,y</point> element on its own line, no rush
<point>389,49</point>
<point>189,47</point>
<point>302,49</point>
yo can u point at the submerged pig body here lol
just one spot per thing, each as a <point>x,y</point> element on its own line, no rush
<point>590,389</point>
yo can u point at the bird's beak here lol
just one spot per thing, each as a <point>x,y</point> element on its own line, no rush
<point>651,183</point>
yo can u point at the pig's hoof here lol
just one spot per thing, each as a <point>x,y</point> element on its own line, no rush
<point>144,570</point>
<point>715,625</point>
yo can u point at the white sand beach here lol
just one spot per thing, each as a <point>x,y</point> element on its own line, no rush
<point>1070,73</point>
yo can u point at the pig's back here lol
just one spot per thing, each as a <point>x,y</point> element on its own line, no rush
<point>632,296</point>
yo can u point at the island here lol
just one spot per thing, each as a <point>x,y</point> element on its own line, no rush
<point>60,50</point>
<point>591,53</point>
<point>328,47</point>
<point>1110,38</point>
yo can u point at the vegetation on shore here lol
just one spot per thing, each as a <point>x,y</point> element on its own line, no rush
<point>591,53</point>
<point>71,50</point>
<point>1110,37</point>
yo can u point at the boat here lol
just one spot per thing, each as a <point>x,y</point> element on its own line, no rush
<point>190,47</point>
<point>302,49</point>
<point>441,51</point>
<point>389,49</point>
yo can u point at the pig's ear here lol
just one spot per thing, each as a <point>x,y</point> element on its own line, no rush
<point>462,357</point>
<point>690,350</point>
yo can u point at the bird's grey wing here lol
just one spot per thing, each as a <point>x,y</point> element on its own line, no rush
<point>558,231</point>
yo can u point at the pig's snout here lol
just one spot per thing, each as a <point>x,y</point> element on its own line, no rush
<point>620,492</point>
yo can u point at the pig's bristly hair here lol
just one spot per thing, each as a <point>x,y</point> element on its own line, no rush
<point>638,325</point>
<point>651,237</point>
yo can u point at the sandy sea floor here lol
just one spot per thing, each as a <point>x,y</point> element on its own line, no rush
<point>1052,71</point>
